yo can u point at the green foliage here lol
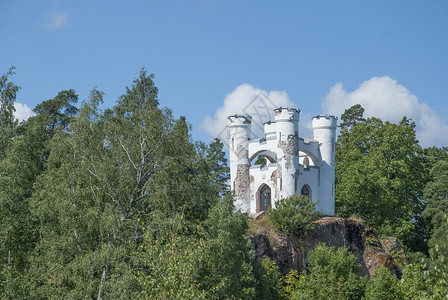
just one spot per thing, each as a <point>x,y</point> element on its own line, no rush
<point>13,284</point>
<point>294,215</point>
<point>18,171</point>
<point>435,271</point>
<point>111,173</point>
<point>328,260</point>
<point>352,116</point>
<point>331,274</point>
<point>218,169</point>
<point>226,270</point>
<point>380,176</point>
<point>168,267</point>
<point>57,112</point>
<point>261,161</point>
<point>8,92</point>
<point>211,263</point>
<point>411,285</point>
<point>436,194</point>
<point>383,286</point>
<point>291,284</point>
<point>270,284</point>
<point>23,161</point>
<point>427,279</point>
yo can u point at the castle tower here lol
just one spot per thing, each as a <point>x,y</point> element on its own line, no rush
<point>324,128</point>
<point>287,127</point>
<point>239,135</point>
<point>270,130</point>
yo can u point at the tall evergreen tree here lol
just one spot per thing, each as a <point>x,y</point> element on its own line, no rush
<point>24,161</point>
<point>352,116</point>
<point>219,169</point>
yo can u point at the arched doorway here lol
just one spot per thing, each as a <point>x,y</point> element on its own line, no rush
<point>265,197</point>
<point>306,191</point>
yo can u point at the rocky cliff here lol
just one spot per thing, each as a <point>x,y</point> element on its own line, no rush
<point>290,252</point>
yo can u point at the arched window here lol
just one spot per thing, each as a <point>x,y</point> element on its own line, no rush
<point>265,198</point>
<point>306,162</point>
<point>306,191</point>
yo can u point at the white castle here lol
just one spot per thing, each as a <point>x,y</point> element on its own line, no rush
<point>294,165</point>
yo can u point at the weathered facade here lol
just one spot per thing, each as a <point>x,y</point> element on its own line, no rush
<point>294,165</point>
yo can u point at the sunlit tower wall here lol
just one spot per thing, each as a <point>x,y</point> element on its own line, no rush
<point>239,135</point>
<point>287,127</point>
<point>324,128</point>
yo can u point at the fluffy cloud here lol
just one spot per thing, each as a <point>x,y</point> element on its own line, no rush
<point>56,20</point>
<point>22,112</point>
<point>384,98</point>
<point>246,99</point>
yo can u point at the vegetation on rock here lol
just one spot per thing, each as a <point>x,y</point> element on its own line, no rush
<point>294,215</point>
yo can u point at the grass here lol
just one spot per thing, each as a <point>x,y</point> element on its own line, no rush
<point>263,226</point>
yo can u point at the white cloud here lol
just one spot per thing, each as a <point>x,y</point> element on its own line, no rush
<point>246,99</point>
<point>384,98</point>
<point>56,20</point>
<point>22,112</point>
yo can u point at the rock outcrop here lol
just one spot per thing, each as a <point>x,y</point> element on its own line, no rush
<point>290,252</point>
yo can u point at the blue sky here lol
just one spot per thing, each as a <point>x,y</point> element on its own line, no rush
<point>211,57</point>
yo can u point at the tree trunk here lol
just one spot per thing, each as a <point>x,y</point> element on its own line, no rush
<point>103,278</point>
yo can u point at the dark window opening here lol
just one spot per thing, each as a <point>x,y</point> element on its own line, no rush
<point>306,191</point>
<point>265,198</point>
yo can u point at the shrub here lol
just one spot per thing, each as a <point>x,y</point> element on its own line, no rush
<point>331,274</point>
<point>383,286</point>
<point>294,215</point>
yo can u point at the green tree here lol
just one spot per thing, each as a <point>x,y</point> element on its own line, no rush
<point>380,176</point>
<point>332,273</point>
<point>219,169</point>
<point>8,92</point>
<point>433,155</point>
<point>294,215</point>
<point>168,264</point>
<point>269,278</point>
<point>436,195</point>
<point>57,112</point>
<point>24,161</point>
<point>226,270</point>
<point>352,116</point>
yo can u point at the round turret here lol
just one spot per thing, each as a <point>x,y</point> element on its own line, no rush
<point>239,135</point>
<point>239,128</point>
<point>239,120</point>
<point>324,121</point>
<point>287,120</point>
<point>324,128</point>
<point>270,129</point>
